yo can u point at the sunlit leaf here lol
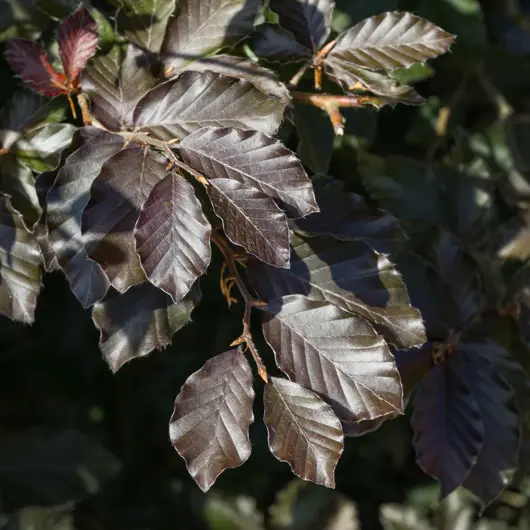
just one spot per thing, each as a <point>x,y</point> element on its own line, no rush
<point>254,159</point>
<point>173,237</point>
<point>212,416</point>
<point>303,431</point>
<point>336,354</point>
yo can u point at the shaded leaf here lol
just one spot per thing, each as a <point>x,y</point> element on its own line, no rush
<point>254,159</point>
<point>349,275</point>
<point>308,20</point>
<point>116,196</point>
<point>303,431</point>
<point>413,365</point>
<point>115,83</point>
<point>355,430</point>
<point>28,60</point>
<point>173,237</point>
<point>212,415</point>
<point>77,37</point>
<point>336,354</point>
<point>224,512</point>
<point>252,220</point>
<point>194,100</point>
<point>277,44</point>
<point>391,40</point>
<point>56,518</point>
<point>201,28</point>
<point>67,199</point>
<point>133,324</point>
<point>144,23</point>
<point>20,261</point>
<point>21,19</point>
<point>448,430</point>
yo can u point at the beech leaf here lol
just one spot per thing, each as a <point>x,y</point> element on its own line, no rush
<point>77,37</point>
<point>202,27</point>
<point>252,220</point>
<point>133,324</point>
<point>212,415</point>
<point>336,354</point>
<point>303,431</point>
<point>349,275</point>
<point>20,259</point>
<point>274,43</point>
<point>194,100</point>
<point>116,196</point>
<point>254,159</point>
<point>448,430</point>
<point>391,40</point>
<point>173,236</point>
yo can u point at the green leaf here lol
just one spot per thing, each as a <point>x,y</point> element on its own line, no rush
<point>227,513</point>
<point>21,19</point>
<point>57,518</point>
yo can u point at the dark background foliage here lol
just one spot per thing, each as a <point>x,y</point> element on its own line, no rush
<point>58,395</point>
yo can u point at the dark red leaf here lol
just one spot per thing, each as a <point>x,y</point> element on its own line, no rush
<point>78,39</point>
<point>29,61</point>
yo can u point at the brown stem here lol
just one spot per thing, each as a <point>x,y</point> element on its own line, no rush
<point>85,109</point>
<point>293,83</point>
<point>250,302</point>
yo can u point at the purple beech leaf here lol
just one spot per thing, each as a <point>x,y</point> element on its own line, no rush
<point>202,27</point>
<point>277,44</point>
<point>251,220</point>
<point>117,194</point>
<point>391,40</point>
<point>336,354</point>
<point>212,415</point>
<point>195,100</point>
<point>308,20</point>
<point>413,365</point>
<point>303,431</point>
<point>448,430</point>
<point>133,324</point>
<point>115,83</point>
<point>254,159</point>
<point>144,22</point>
<point>349,275</point>
<point>20,259</point>
<point>356,430</point>
<point>173,237</point>
<point>67,200</point>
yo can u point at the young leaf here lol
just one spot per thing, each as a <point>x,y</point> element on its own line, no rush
<point>252,220</point>
<point>254,159</point>
<point>308,20</point>
<point>303,431</point>
<point>173,237</point>
<point>391,40</point>
<point>67,199</point>
<point>448,430</point>
<point>20,261</point>
<point>349,275</point>
<point>77,37</point>
<point>336,354</point>
<point>115,83</point>
<point>194,100</point>
<point>205,26</point>
<point>212,415</point>
<point>133,324</point>
<point>28,60</point>
<point>117,194</point>
<point>144,22</point>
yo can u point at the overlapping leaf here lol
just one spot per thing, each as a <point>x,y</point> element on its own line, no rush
<point>202,27</point>
<point>274,43</point>
<point>212,416</point>
<point>254,159</point>
<point>67,199</point>
<point>391,40</point>
<point>251,219</point>
<point>194,100</point>
<point>173,237</point>
<point>135,323</point>
<point>308,20</point>
<point>336,354</point>
<point>303,431</point>
<point>349,275</point>
<point>116,196</point>
<point>448,430</point>
<point>20,261</point>
<point>115,83</point>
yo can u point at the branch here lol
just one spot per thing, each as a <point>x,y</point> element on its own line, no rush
<point>250,302</point>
